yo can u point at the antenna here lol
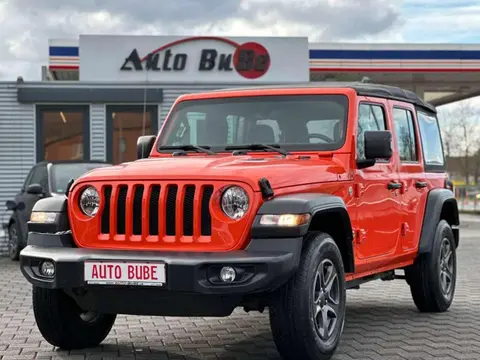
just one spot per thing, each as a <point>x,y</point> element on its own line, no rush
<point>144,119</point>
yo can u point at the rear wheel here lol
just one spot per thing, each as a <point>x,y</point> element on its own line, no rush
<point>13,242</point>
<point>308,313</point>
<point>64,324</point>
<point>432,278</point>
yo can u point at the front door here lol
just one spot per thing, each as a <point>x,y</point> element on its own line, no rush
<point>378,205</point>
<point>125,124</point>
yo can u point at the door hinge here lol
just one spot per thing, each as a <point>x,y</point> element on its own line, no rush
<point>358,189</point>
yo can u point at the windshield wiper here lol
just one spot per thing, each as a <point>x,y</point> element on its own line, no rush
<point>272,147</point>
<point>189,147</point>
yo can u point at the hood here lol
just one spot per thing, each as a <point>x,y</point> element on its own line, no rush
<point>280,171</point>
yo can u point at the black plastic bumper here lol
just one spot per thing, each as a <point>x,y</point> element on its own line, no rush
<point>265,265</point>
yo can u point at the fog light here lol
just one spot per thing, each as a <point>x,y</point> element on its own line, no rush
<point>47,268</point>
<point>227,274</point>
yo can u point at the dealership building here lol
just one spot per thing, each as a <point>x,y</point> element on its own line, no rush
<point>99,93</point>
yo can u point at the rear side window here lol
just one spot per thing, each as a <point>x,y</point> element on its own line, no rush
<point>431,139</point>
<point>405,134</point>
<point>370,118</point>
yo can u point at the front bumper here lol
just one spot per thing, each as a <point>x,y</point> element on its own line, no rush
<point>266,264</point>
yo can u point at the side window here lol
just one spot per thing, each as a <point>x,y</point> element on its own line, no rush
<point>370,118</point>
<point>431,139</point>
<point>405,134</point>
<point>40,177</point>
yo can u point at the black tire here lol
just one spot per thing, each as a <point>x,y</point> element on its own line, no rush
<point>14,246</point>
<point>291,310</point>
<point>424,276</point>
<point>59,320</point>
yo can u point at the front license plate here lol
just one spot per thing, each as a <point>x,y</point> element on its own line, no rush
<point>124,273</point>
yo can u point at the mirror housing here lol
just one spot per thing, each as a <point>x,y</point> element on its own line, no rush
<point>144,146</point>
<point>378,145</point>
<point>11,205</point>
<point>35,189</point>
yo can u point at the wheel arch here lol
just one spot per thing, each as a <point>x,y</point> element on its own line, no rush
<point>335,221</point>
<point>328,214</point>
<point>441,205</point>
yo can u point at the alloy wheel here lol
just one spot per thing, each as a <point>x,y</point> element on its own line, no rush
<point>13,241</point>
<point>446,267</point>
<point>326,299</point>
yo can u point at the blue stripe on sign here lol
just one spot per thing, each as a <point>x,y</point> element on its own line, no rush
<point>396,54</point>
<point>63,51</point>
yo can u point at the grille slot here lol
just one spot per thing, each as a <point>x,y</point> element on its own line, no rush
<point>153,211</point>
<point>206,226</point>
<point>188,210</point>
<point>171,210</point>
<point>137,210</point>
<point>107,193</point>
<point>121,209</point>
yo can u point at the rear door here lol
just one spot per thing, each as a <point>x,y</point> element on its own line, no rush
<point>378,207</point>
<point>415,186</point>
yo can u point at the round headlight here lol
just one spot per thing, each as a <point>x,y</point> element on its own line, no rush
<point>235,202</point>
<point>89,201</point>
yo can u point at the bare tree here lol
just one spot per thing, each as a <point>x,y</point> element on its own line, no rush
<point>460,134</point>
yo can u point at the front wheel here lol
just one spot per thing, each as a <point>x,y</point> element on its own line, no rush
<point>64,324</point>
<point>14,247</point>
<point>307,314</point>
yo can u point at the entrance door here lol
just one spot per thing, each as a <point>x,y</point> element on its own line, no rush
<point>378,207</point>
<point>125,124</point>
<point>63,133</point>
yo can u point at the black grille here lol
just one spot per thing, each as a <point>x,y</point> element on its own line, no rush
<point>162,213</point>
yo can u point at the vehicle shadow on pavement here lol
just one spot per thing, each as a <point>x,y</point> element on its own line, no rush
<point>372,331</point>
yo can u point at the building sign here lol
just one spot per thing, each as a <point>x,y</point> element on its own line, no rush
<point>206,59</point>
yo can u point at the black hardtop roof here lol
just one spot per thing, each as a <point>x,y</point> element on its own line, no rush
<point>362,89</point>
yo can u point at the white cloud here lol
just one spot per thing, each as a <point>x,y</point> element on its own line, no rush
<point>26,25</point>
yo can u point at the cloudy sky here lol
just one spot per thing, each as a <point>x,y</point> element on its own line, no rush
<point>26,25</point>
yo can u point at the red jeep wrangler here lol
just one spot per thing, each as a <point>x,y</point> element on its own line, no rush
<point>279,197</point>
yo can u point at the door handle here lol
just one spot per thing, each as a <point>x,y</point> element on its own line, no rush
<point>420,184</point>
<point>394,185</point>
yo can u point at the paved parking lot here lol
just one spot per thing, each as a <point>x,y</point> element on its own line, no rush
<point>382,323</point>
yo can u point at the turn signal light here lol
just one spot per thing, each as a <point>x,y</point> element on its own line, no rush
<point>285,220</point>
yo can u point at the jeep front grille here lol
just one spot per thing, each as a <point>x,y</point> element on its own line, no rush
<point>156,212</point>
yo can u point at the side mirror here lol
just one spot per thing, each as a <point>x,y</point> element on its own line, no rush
<point>145,145</point>
<point>11,205</point>
<point>378,145</point>
<point>35,189</point>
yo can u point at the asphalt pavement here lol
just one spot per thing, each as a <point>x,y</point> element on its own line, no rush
<point>382,323</point>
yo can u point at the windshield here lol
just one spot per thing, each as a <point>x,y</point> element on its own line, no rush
<point>62,173</point>
<point>294,122</point>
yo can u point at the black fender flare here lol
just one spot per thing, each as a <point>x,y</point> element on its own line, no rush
<point>315,204</point>
<point>441,204</point>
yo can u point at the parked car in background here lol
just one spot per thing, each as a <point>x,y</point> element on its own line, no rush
<point>45,179</point>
